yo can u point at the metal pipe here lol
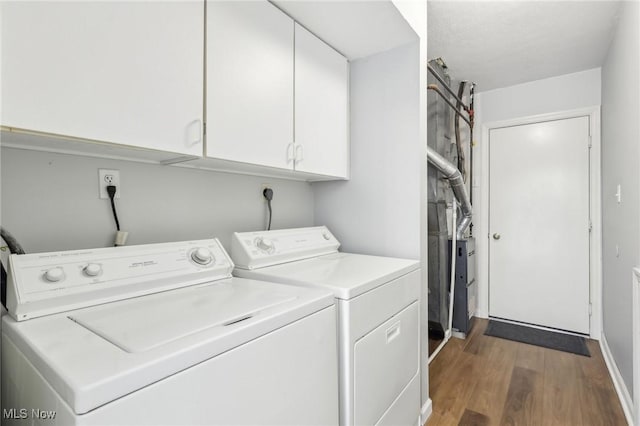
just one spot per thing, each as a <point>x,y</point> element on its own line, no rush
<point>436,89</point>
<point>461,159</point>
<point>452,285</point>
<point>453,175</point>
<point>472,116</point>
<point>446,86</point>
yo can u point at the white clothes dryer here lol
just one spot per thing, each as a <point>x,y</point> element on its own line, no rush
<point>378,308</point>
<point>163,334</point>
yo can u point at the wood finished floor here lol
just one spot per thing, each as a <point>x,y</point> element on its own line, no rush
<point>485,380</point>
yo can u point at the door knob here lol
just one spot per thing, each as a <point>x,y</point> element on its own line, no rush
<point>496,236</point>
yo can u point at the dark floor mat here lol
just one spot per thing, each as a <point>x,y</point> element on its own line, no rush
<point>534,336</point>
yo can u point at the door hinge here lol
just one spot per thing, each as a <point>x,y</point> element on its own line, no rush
<point>204,128</point>
<point>590,226</point>
<point>590,309</point>
<point>590,141</point>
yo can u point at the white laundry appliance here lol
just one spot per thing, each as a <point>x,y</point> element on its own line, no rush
<point>163,334</point>
<point>378,316</point>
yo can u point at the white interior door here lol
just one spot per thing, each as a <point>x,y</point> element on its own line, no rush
<point>539,223</point>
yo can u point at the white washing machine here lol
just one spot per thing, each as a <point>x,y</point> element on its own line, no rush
<point>162,334</point>
<point>378,316</point>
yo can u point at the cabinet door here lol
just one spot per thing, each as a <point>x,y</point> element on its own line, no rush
<point>249,83</point>
<point>124,72</point>
<point>321,107</point>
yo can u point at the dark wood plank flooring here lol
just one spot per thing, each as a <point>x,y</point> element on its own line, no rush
<point>486,381</point>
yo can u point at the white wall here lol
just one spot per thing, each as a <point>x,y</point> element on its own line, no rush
<point>378,210</point>
<point>50,202</point>
<point>566,92</point>
<point>620,160</point>
<point>561,93</point>
<point>415,13</point>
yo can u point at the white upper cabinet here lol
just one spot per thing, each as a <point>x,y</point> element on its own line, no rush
<point>132,74</point>
<point>321,107</point>
<point>129,73</point>
<point>249,83</point>
<point>272,101</point>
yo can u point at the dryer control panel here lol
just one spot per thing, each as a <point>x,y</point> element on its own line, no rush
<point>46,283</point>
<point>251,250</point>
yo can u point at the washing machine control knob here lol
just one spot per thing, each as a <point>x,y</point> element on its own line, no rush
<point>92,270</point>
<point>265,244</point>
<point>54,275</point>
<point>326,236</point>
<point>202,256</point>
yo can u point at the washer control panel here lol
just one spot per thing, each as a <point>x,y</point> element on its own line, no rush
<point>265,245</point>
<point>202,256</point>
<point>45,283</point>
<point>251,250</point>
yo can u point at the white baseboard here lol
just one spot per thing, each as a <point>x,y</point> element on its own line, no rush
<point>636,343</point>
<point>447,334</point>
<point>425,412</point>
<point>459,335</point>
<point>618,382</point>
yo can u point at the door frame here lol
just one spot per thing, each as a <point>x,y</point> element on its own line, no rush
<point>595,210</point>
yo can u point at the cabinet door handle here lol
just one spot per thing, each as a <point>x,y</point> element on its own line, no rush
<point>290,153</point>
<point>197,134</point>
<point>299,153</point>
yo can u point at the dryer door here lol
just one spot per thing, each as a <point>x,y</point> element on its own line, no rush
<point>385,360</point>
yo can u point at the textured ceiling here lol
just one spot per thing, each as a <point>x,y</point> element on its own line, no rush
<point>502,43</point>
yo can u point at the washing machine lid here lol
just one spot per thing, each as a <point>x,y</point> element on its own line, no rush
<point>95,355</point>
<point>142,324</point>
<point>347,275</point>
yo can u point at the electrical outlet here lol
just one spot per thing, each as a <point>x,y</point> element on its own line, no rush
<point>263,187</point>
<point>108,177</point>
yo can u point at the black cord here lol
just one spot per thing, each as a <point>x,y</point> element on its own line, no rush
<point>267,193</point>
<point>14,248</point>
<point>111,190</point>
<point>12,243</point>
<point>115,214</point>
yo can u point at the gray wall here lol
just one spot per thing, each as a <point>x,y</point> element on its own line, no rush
<point>50,202</point>
<point>378,210</point>
<point>620,159</point>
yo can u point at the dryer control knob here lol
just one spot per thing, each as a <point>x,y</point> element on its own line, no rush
<point>265,245</point>
<point>326,236</point>
<point>202,256</point>
<point>92,270</point>
<point>54,275</point>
